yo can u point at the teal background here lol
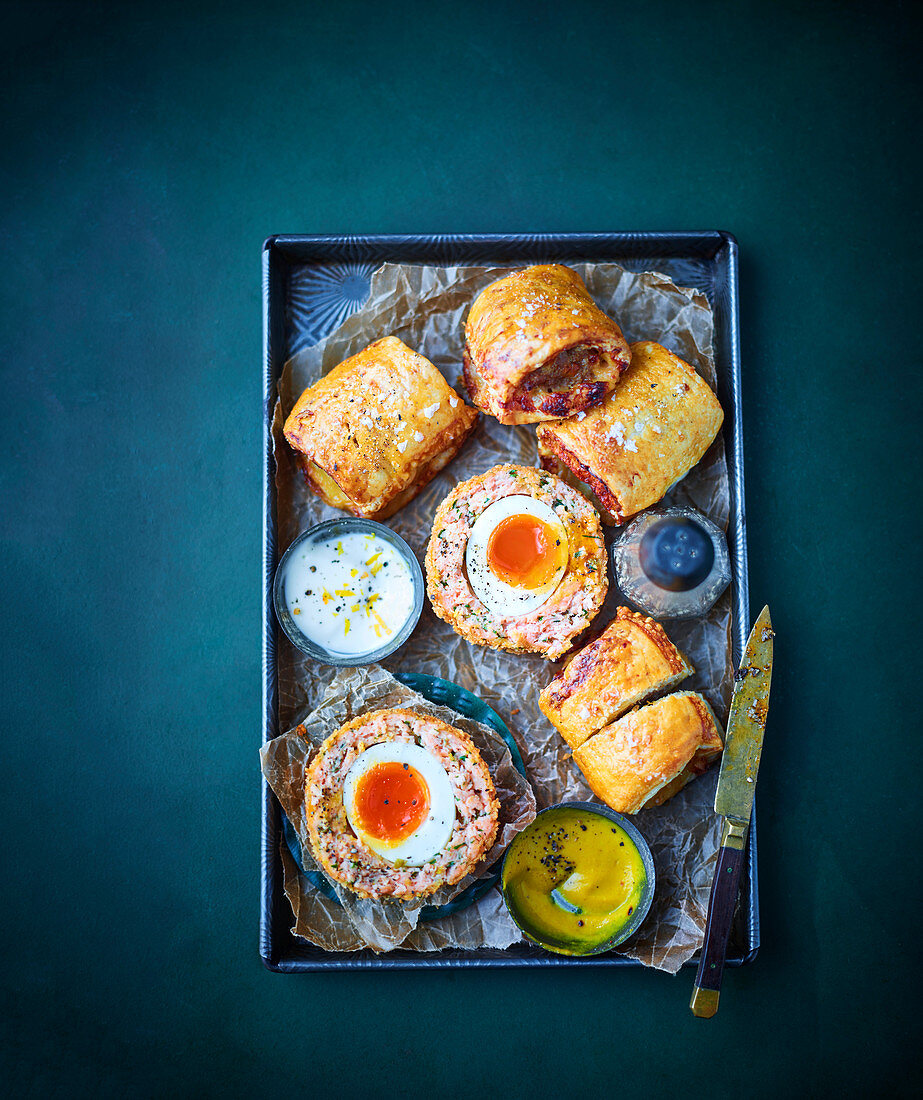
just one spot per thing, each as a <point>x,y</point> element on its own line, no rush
<point>148,149</point>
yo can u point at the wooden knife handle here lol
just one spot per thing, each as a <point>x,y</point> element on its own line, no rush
<point>721,906</point>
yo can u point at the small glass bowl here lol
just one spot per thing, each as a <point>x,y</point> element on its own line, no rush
<point>641,909</point>
<point>649,596</point>
<point>334,528</point>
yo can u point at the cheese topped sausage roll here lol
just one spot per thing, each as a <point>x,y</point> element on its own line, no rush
<point>641,440</point>
<point>651,753</point>
<point>377,428</point>
<point>537,347</point>
<point>630,661</point>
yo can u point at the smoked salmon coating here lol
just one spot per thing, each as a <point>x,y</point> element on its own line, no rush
<point>346,859</point>
<point>549,629</point>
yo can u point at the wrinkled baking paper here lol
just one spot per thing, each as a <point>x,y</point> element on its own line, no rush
<point>377,924</point>
<point>425,307</point>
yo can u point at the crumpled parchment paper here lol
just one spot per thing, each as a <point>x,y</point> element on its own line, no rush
<point>377,924</point>
<point>425,307</point>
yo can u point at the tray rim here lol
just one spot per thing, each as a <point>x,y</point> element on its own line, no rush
<point>325,249</point>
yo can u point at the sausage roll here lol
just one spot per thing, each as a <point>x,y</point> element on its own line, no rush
<point>373,431</point>
<point>630,661</point>
<point>651,753</point>
<point>641,440</point>
<point>537,347</point>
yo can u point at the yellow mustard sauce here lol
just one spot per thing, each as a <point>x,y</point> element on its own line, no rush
<point>572,879</point>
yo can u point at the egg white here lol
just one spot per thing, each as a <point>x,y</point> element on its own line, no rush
<point>503,598</point>
<point>434,832</point>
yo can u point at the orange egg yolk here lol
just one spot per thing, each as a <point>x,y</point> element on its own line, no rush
<point>391,800</point>
<point>525,552</point>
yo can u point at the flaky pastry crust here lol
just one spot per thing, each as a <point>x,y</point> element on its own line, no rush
<point>377,428</point>
<point>647,755</point>
<point>537,347</point>
<point>630,661</point>
<point>646,436</point>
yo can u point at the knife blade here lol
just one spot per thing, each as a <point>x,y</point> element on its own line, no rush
<point>740,763</point>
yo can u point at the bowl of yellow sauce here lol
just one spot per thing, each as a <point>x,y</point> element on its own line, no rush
<point>579,879</point>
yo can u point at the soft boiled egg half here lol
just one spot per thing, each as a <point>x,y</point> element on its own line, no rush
<point>516,555</point>
<point>399,802</point>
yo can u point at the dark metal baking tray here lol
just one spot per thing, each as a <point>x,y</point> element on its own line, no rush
<point>310,284</point>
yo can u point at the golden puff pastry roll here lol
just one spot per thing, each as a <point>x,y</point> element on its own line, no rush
<point>377,428</point>
<point>651,753</point>
<point>646,436</point>
<point>630,661</point>
<point>538,347</point>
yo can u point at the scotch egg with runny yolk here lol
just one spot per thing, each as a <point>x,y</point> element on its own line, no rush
<point>516,555</point>
<point>399,802</point>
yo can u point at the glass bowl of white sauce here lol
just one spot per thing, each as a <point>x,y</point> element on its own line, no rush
<point>348,592</point>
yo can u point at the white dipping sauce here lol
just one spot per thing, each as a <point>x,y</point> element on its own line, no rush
<point>350,595</point>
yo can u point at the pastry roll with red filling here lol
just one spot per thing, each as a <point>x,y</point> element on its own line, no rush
<point>537,347</point>
<point>628,451</point>
<point>377,428</point>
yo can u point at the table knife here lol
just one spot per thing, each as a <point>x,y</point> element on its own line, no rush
<point>740,763</point>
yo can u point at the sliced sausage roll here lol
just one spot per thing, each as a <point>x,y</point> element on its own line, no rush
<point>630,661</point>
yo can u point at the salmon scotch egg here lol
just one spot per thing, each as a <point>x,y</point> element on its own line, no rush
<point>516,561</point>
<point>398,804</point>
